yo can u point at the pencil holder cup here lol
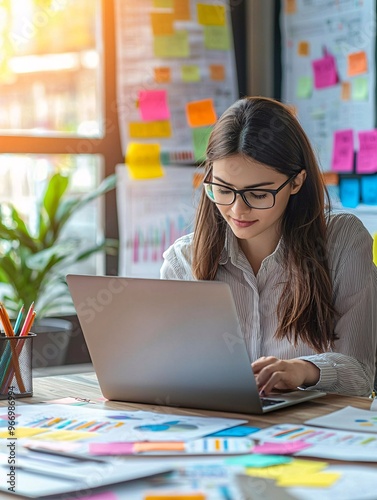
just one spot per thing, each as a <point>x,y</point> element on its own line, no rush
<point>16,379</point>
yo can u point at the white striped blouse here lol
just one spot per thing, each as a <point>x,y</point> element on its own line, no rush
<point>349,368</point>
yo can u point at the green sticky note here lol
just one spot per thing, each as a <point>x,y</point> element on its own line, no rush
<point>190,73</point>
<point>258,460</point>
<point>200,136</point>
<point>176,45</point>
<point>304,87</point>
<point>216,38</point>
<point>360,89</point>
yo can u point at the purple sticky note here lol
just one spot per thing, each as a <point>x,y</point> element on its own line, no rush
<point>280,448</point>
<point>342,155</point>
<point>153,105</point>
<point>111,448</point>
<point>366,162</point>
<point>324,70</point>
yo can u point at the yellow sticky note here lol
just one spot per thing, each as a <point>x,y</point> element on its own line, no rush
<point>360,89</point>
<point>176,45</point>
<point>143,160</point>
<point>163,4</point>
<point>290,6</point>
<point>303,48</point>
<point>201,113</point>
<point>65,435</point>
<point>162,23</point>
<point>23,432</point>
<point>346,91</point>
<point>190,73</point>
<point>182,10</point>
<point>317,480</point>
<point>147,130</point>
<point>357,63</point>
<point>304,87</point>
<point>162,74</point>
<point>217,72</point>
<point>211,15</point>
<point>294,468</point>
<point>216,38</point>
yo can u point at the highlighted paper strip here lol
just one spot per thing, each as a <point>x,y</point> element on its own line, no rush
<point>343,151</point>
<point>143,161</point>
<point>366,162</point>
<point>147,130</point>
<point>211,15</point>
<point>153,105</point>
<point>216,38</point>
<point>324,70</point>
<point>357,63</point>
<point>201,113</point>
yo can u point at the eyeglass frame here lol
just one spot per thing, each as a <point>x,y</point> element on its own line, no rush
<point>241,192</point>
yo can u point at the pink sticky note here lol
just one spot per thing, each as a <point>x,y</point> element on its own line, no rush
<point>366,161</point>
<point>280,448</point>
<point>153,105</point>
<point>107,495</point>
<point>342,155</point>
<point>111,448</point>
<point>325,74</point>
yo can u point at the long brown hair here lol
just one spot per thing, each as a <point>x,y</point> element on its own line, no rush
<point>267,131</point>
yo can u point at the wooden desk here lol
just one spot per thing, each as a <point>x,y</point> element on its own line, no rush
<point>85,385</point>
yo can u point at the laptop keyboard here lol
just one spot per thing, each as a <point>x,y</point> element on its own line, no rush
<point>270,402</point>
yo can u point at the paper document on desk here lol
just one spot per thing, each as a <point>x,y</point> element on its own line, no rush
<point>349,418</point>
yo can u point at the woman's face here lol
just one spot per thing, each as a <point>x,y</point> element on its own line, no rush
<point>248,223</point>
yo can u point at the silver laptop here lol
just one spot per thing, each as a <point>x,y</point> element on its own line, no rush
<point>170,343</point>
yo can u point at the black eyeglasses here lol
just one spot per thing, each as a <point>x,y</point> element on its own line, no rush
<point>261,199</point>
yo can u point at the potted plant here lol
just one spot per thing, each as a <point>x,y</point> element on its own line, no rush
<point>33,264</point>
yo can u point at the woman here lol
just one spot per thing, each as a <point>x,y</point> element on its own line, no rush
<point>303,280</point>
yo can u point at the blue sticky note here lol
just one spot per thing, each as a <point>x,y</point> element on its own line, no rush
<point>240,431</point>
<point>369,189</point>
<point>349,192</point>
<point>256,460</point>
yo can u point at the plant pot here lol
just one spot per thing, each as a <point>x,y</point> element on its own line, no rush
<point>51,343</point>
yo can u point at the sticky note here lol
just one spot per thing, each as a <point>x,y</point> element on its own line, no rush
<point>190,73</point>
<point>162,23</point>
<point>284,448</point>
<point>201,113</point>
<point>366,159</point>
<point>258,460</point>
<point>176,45</point>
<point>106,495</point>
<point>163,4</point>
<point>289,468</point>
<point>325,74</point>
<point>143,160</point>
<point>357,63</point>
<point>111,448</point>
<point>346,91</point>
<point>317,480</point>
<point>369,189</point>
<point>200,136</point>
<point>211,15</point>
<point>182,10</point>
<point>303,48</point>
<point>349,192</point>
<point>343,151</point>
<point>162,74</point>
<point>217,72</point>
<point>290,6</point>
<point>304,87</point>
<point>153,105</point>
<point>174,495</point>
<point>145,130</point>
<point>360,89</point>
<point>216,38</point>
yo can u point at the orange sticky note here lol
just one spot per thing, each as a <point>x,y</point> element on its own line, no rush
<point>346,91</point>
<point>162,23</point>
<point>303,48</point>
<point>181,10</point>
<point>201,113</point>
<point>217,72</point>
<point>162,74</point>
<point>178,495</point>
<point>290,6</point>
<point>357,63</point>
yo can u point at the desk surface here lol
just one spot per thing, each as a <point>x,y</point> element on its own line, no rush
<point>85,385</point>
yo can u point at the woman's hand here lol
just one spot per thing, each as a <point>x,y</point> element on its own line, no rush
<point>283,375</point>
